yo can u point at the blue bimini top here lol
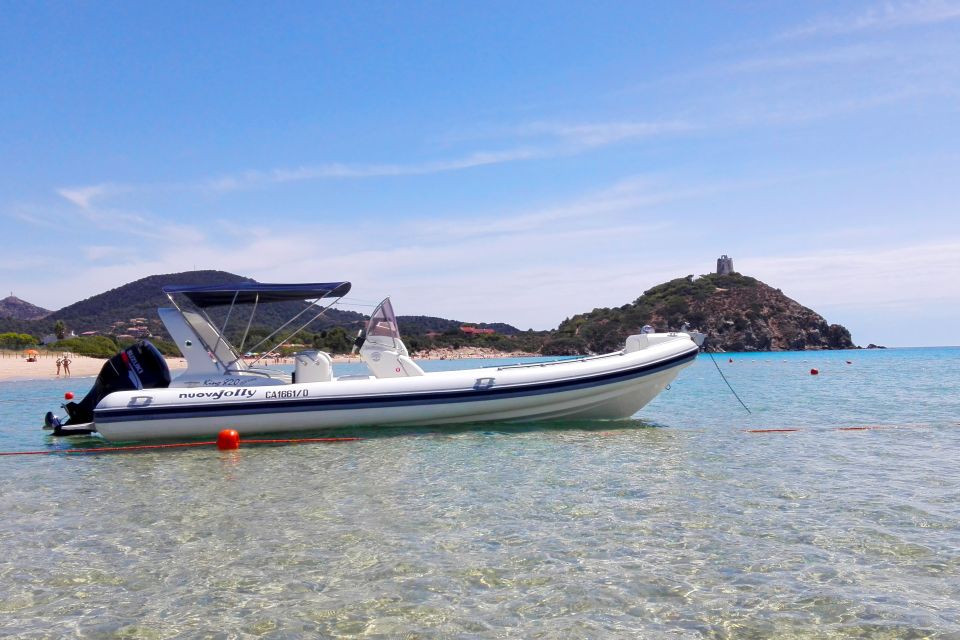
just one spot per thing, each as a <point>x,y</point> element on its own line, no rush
<point>245,292</point>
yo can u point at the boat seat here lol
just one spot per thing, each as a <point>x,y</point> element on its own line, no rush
<point>409,367</point>
<point>312,366</point>
<point>386,363</point>
<point>637,342</point>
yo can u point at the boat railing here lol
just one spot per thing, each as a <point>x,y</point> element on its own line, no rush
<point>527,365</point>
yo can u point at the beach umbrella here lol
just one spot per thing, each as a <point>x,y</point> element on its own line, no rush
<point>32,352</point>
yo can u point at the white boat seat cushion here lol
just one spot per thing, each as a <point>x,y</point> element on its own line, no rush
<point>410,368</point>
<point>636,343</point>
<point>313,366</point>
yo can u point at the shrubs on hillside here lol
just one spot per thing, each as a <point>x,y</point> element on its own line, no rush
<point>92,346</point>
<point>106,347</point>
<point>17,340</point>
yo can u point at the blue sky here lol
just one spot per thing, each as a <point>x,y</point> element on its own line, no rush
<point>514,162</point>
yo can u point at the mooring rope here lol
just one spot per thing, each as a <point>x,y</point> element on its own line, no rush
<point>720,371</point>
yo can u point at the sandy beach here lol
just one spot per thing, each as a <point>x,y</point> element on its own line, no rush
<point>17,368</point>
<point>14,366</point>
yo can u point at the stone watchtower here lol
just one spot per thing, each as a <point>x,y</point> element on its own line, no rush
<point>724,265</point>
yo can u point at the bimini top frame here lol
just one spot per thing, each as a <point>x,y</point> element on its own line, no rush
<point>206,296</point>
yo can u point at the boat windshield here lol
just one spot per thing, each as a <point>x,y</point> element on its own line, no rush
<point>383,322</point>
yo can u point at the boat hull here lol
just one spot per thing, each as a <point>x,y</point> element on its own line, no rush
<point>606,387</point>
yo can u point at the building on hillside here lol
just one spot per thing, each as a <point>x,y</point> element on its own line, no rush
<point>476,331</point>
<point>724,265</point>
<point>140,331</point>
<point>50,338</point>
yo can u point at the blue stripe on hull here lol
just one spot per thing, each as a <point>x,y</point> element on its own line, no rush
<point>386,400</point>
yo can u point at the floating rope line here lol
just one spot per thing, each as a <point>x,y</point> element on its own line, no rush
<point>297,440</point>
<point>795,429</point>
<point>771,430</point>
<point>720,371</point>
<point>175,445</point>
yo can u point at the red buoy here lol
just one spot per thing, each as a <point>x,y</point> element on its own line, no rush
<point>814,372</point>
<point>228,439</point>
<point>729,359</point>
<point>68,395</point>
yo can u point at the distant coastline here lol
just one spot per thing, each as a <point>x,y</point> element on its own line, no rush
<point>15,368</point>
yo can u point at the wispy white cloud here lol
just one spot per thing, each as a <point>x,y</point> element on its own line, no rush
<point>846,55</point>
<point>890,15</point>
<point>605,207</point>
<point>35,220</point>
<point>87,201</point>
<point>597,134</point>
<point>256,178</point>
<point>897,276</point>
<point>559,140</point>
<point>96,253</point>
<point>531,279</point>
<point>562,139</point>
<point>84,197</point>
<point>35,261</point>
<point>122,222</point>
<point>792,112</point>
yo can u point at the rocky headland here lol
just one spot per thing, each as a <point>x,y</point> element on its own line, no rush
<point>738,313</point>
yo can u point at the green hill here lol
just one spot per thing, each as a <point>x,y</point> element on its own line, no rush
<point>14,307</point>
<point>121,310</point>
<point>138,299</point>
<point>738,313</point>
<point>131,309</point>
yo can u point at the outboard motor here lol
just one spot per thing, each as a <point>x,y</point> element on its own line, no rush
<point>138,367</point>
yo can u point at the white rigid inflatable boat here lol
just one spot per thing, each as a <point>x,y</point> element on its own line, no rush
<point>135,399</point>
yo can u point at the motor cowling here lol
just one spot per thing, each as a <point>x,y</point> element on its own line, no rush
<point>141,366</point>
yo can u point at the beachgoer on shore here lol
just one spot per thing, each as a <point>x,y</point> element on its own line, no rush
<point>59,362</point>
<point>66,367</point>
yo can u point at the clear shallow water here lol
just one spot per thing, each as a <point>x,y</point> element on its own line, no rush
<point>677,524</point>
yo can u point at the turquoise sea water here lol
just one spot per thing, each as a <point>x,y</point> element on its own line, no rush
<point>678,523</point>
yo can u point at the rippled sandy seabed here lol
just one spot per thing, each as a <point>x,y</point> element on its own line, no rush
<point>682,525</point>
